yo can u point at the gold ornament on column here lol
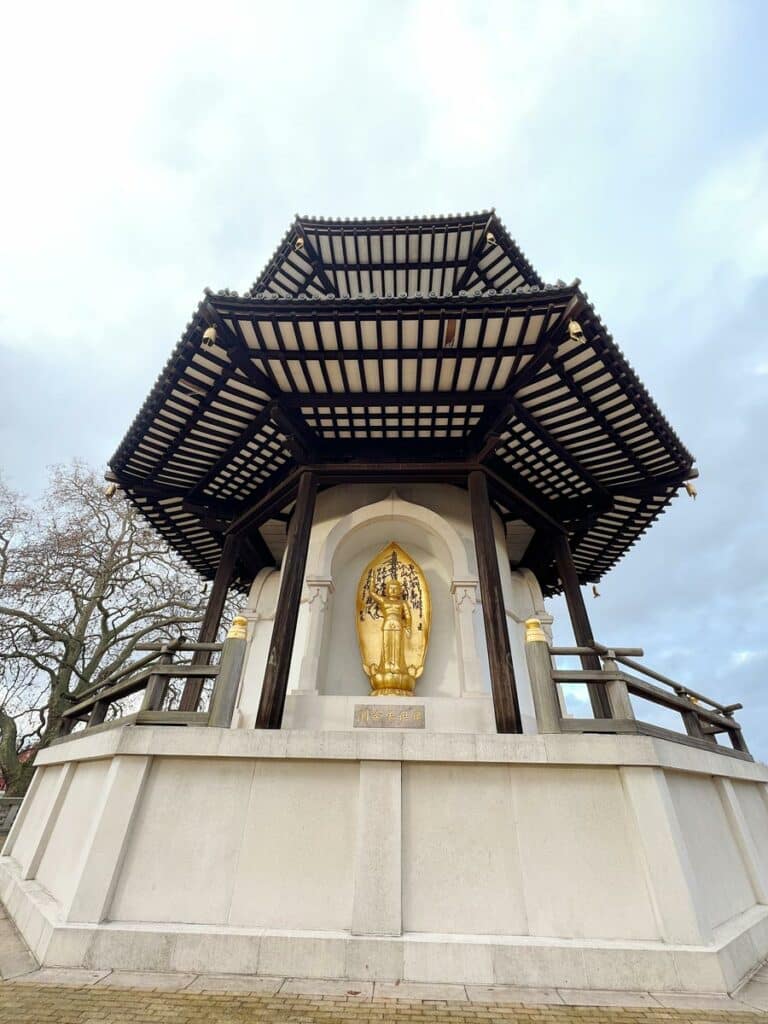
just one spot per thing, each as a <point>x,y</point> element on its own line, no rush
<point>394,614</point>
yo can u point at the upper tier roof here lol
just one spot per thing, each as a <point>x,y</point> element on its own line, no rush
<point>465,357</point>
<point>471,253</point>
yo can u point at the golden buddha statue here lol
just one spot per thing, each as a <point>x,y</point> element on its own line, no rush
<point>393,619</point>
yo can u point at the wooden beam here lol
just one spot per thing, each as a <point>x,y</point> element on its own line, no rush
<point>270,713</point>
<point>582,629</point>
<point>505,703</point>
<point>270,498</point>
<point>211,620</point>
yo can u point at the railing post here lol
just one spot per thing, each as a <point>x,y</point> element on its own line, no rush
<point>543,686</point>
<point>616,691</point>
<point>98,713</point>
<point>227,681</point>
<point>157,684</point>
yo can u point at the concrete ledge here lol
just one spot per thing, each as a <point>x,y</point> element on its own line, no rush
<point>397,745</point>
<point>420,958</point>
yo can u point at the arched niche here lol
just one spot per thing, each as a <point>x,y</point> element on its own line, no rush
<point>332,655</point>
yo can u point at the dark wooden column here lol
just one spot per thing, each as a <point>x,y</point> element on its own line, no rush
<point>505,703</point>
<point>211,620</point>
<point>582,630</point>
<point>270,715</point>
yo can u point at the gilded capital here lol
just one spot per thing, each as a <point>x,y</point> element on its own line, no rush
<point>237,631</point>
<point>533,632</point>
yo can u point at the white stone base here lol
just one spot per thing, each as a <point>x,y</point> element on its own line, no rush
<point>623,863</point>
<point>328,713</point>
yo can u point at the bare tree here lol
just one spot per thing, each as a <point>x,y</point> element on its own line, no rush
<point>83,580</point>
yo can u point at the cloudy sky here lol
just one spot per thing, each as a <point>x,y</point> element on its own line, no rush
<point>153,149</point>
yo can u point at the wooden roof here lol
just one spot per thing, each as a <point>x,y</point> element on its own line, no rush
<point>410,341</point>
<point>403,257</point>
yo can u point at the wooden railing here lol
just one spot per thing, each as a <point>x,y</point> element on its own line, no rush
<point>702,718</point>
<point>98,707</point>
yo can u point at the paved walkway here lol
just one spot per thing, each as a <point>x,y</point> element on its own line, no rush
<point>29,995</point>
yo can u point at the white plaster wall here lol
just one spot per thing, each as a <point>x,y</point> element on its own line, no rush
<point>165,872</point>
<point>254,843</point>
<point>580,854</point>
<point>41,799</point>
<point>539,849</point>
<point>723,885</point>
<point>298,845</point>
<point>461,864</point>
<point>754,805</point>
<point>59,867</point>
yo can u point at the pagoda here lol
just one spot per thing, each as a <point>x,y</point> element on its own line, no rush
<point>393,448</point>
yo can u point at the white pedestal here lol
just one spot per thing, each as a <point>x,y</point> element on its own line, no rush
<point>574,861</point>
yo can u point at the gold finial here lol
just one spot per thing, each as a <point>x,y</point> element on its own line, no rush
<point>692,492</point>
<point>237,631</point>
<point>110,489</point>
<point>575,333</point>
<point>533,632</point>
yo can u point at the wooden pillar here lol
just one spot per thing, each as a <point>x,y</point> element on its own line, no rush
<point>505,703</point>
<point>270,714</point>
<point>582,630</point>
<point>211,620</point>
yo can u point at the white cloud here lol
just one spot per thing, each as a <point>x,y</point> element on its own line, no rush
<point>728,212</point>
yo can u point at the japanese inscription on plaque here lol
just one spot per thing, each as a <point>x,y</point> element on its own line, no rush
<point>397,716</point>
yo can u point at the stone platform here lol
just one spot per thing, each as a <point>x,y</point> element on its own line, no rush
<point>569,862</point>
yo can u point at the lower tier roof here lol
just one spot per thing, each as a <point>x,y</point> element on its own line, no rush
<point>527,383</point>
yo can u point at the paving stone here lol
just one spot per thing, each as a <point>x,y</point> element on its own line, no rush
<point>148,980</point>
<point>605,997</point>
<point>416,992</point>
<point>76,976</point>
<point>235,983</point>
<point>31,1004</point>
<point>513,994</point>
<point>358,990</point>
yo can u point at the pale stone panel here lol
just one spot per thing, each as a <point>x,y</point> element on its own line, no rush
<point>41,802</point>
<point>461,869</point>
<point>296,867</point>
<point>59,869</point>
<point>723,885</point>
<point>584,876</point>
<point>755,810</point>
<point>164,880</point>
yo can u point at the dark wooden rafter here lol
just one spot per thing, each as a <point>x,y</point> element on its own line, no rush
<point>237,349</point>
<point>226,457</point>
<point>474,257</point>
<point>314,259</point>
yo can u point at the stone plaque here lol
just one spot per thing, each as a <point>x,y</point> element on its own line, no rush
<point>392,716</point>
